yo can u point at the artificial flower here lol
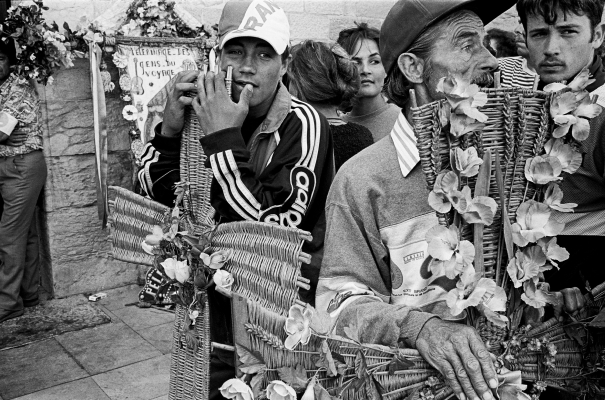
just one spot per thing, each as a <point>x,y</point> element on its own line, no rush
<point>147,248</point>
<point>569,158</point>
<point>581,109</point>
<point>450,255</point>
<point>217,259</point>
<point>155,237</point>
<point>526,265</point>
<point>130,113</point>
<point>537,294</point>
<point>278,390</point>
<point>553,197</point>
<point>464,99</point>
<point>579,83</point>
<point>298,326</point>
<point>120,60</point>
<point>445,194</point>
<point>466,162</point>
<point>95,37</point>
<point>480,210</point>
<point>223,279</point>
<point>125,83</point>
<point>543,169</point>
<point>534,221</point>
<point>178,270</point>
<point>472,290</point>
<point>553,252</point>
<point>236,389</point>
<point>510,385</point>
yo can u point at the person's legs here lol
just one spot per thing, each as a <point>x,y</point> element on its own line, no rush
<point>31,273</point>
<point>220,372</point>
<point>21,179</point>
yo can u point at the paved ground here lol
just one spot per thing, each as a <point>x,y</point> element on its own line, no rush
<point>128,358</point>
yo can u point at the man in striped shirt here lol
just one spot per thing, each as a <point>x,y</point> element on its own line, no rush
<point>375,279</point>
<point>562,37</point>
<point>271,154</point>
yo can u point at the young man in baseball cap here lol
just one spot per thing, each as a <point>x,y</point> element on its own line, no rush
<point>271,154</point>
<point>375,274</point>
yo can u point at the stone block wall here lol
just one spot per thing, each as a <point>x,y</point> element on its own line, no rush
<point>75,249</point>
<point>309,19</point>
<point>75,252</point>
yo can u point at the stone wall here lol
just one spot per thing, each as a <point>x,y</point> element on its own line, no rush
<point>309,19</point>
<point>75,251</point>
<point>76,247</point>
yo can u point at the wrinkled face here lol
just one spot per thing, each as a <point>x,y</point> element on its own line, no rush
<point>371,70</point>
<point>4,67</point>
<point>254,61</point>
<point>560,51</point>
<point>459,51</point>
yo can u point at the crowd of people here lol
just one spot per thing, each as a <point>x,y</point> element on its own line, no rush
<point>329,123</point>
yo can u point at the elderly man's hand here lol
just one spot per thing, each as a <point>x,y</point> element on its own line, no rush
<point>174,113</point>
<point>459,354</point>
<point>570,300</point>
<point>213,106</point>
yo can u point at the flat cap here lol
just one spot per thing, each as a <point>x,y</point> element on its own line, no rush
<point>409,18</point>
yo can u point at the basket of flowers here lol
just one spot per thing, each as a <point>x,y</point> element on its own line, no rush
<point>493,161</point>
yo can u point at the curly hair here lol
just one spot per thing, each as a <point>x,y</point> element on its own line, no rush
<point>323,74</point>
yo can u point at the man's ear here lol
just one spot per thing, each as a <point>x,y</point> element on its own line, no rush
<point>412,67</point>
<point>284,65</point>
<point>598,36</point>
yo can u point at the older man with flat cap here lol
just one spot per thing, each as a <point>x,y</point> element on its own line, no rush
<point>375,278</point>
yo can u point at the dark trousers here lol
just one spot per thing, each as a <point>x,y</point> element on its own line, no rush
<point>21,180</point>
<point>220,372</point>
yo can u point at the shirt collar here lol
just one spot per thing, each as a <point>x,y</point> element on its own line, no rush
<point>405,145</point>
<point>278,111</point>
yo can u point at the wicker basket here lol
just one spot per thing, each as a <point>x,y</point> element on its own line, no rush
<point>189,369</point>
<point>197,201</point>
<point>517,129</point>
<point>132,217</point>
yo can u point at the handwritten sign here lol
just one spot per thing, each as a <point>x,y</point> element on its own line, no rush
<point>149,70</point>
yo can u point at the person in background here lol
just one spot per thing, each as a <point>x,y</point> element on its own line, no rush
<point>502,42</point>
<point>271,154</point>
<point>22,176</point>
<point>370,107</point>
<point>325,77</point>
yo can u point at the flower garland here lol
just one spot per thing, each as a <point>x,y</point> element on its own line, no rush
<point>41,49</point>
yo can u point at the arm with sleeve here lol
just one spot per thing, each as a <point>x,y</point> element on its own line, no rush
<point>239,193</point>
<point>355,280</point>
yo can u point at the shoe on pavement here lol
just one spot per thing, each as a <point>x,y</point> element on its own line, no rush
<point>10,315</point>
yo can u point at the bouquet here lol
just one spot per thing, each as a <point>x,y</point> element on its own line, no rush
<point>41,49</point>
<point>187,264</point>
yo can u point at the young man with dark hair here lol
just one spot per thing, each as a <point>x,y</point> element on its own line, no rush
<point>562,38</point>
<point>271,154</point>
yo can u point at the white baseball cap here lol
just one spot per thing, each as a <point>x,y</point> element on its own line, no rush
<point>261,19</point>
